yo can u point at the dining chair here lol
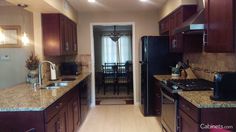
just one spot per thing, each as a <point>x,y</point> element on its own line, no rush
<point>109,76</point>
<point>122,77</point>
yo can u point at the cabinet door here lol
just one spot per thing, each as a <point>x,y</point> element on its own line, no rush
<point>64,36</point>
<point>172,24</point>
<point>74,38</point>
<point>186,124</point>
<point>176,44</point>
<point>70,116</point>
<point>51,29</point>
<point>70,36</point>
<point>178,17</point>
<point>164,26</point>
<point>157,96</point>
<point>76,113</point>
<point>53,125</point>
<point>63,119</point>
<point>220,25</point>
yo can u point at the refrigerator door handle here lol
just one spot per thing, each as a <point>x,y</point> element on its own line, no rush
<point>141,62</point>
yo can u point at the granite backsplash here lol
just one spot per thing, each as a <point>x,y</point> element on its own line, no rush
<point>205,65</point>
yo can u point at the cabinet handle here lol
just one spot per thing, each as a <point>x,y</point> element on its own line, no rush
<point>179,128</point>
<point>31,130</point>
<point>75,47</point>
<point>58,126</point>
<point>204,39</point>
<point>186,107</point>
<point>67,46</point>
<point>59,105</point>
<point>174,41</point>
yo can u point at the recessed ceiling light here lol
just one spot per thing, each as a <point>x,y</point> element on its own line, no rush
<point>22,5</point>
<point>143,0</point>
<point>92,1</point>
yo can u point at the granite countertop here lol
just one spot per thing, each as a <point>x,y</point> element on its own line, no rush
<point>166,77</point>
<point>23,97</point>
<point>201,99</point>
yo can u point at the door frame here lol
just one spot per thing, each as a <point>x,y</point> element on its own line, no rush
<point>135,93</point>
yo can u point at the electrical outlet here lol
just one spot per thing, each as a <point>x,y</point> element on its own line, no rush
<point>4,57</point>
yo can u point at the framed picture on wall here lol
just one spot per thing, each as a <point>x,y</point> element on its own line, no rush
<point>9,36</point>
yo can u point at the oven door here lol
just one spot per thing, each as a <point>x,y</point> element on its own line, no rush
<point>168,112</point>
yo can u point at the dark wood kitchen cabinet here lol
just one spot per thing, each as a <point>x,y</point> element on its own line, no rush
<point>220,16</point>
<point>164,26</point>
<point>175,19</point>
<point>59,35</point>
<point>157,97</point>
<point>194,119</point>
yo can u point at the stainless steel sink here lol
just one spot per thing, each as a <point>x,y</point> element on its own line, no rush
<point>56,85</point>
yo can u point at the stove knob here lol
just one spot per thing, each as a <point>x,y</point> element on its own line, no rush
<point>175,87</point>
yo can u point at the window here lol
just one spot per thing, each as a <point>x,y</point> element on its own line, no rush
<point>116,52</point>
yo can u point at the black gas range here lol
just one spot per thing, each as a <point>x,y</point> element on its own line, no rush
<point>169,90</point>
<point>176,85</point>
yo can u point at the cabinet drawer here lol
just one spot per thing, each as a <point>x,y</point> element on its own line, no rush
<point>186,124</point>
<point>189,109</point>
<point>53,109</point>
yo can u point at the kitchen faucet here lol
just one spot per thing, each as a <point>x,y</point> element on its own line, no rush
<point>52,71</point>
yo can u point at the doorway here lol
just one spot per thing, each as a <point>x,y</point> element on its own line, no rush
<point>113,65</point>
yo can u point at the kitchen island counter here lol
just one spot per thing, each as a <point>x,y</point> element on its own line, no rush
<point>23,97</point>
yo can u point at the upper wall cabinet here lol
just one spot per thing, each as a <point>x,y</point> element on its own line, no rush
<point>220,25</point>
<point>168,24</point>
<point>59,35</point>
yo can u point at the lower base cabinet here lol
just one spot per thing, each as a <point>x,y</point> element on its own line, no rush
<point>157,97</point>
<point>59,122</point>
<point>193,119</point>
<point>186,124</point>
<point>65,115</point>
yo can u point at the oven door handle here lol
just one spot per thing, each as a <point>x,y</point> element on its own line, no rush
<point>168,97</point>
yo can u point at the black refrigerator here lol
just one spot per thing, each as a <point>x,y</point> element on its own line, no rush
<point>155,59</point>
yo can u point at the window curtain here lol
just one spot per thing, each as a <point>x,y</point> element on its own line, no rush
<point>116,52</point>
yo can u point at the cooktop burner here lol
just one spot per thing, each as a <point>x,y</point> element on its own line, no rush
<point>191,84</point>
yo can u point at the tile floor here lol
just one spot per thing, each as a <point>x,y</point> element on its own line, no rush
<point>119,118</point>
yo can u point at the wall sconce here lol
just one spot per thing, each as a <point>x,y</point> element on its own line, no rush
<point>2,37</point>
<point>24,38</point>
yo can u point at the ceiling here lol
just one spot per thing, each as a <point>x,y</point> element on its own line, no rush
<point>5,3</point>
<point>116,5</point>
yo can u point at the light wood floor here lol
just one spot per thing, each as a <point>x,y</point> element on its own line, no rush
<point>119,118</point>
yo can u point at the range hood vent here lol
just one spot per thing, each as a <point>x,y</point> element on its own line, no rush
<point>194,24</point>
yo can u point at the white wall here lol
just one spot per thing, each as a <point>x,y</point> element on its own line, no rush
<point>146,23</point>
<point>13,71</point>
<point>171,5</point>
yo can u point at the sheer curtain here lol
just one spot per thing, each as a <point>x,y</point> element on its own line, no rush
<point>114,52</point>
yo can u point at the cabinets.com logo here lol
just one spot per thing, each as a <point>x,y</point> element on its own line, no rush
<point>214,126</point>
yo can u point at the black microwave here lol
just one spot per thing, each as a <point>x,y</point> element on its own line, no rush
<point>70,68</point>
<point>225,86</point>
